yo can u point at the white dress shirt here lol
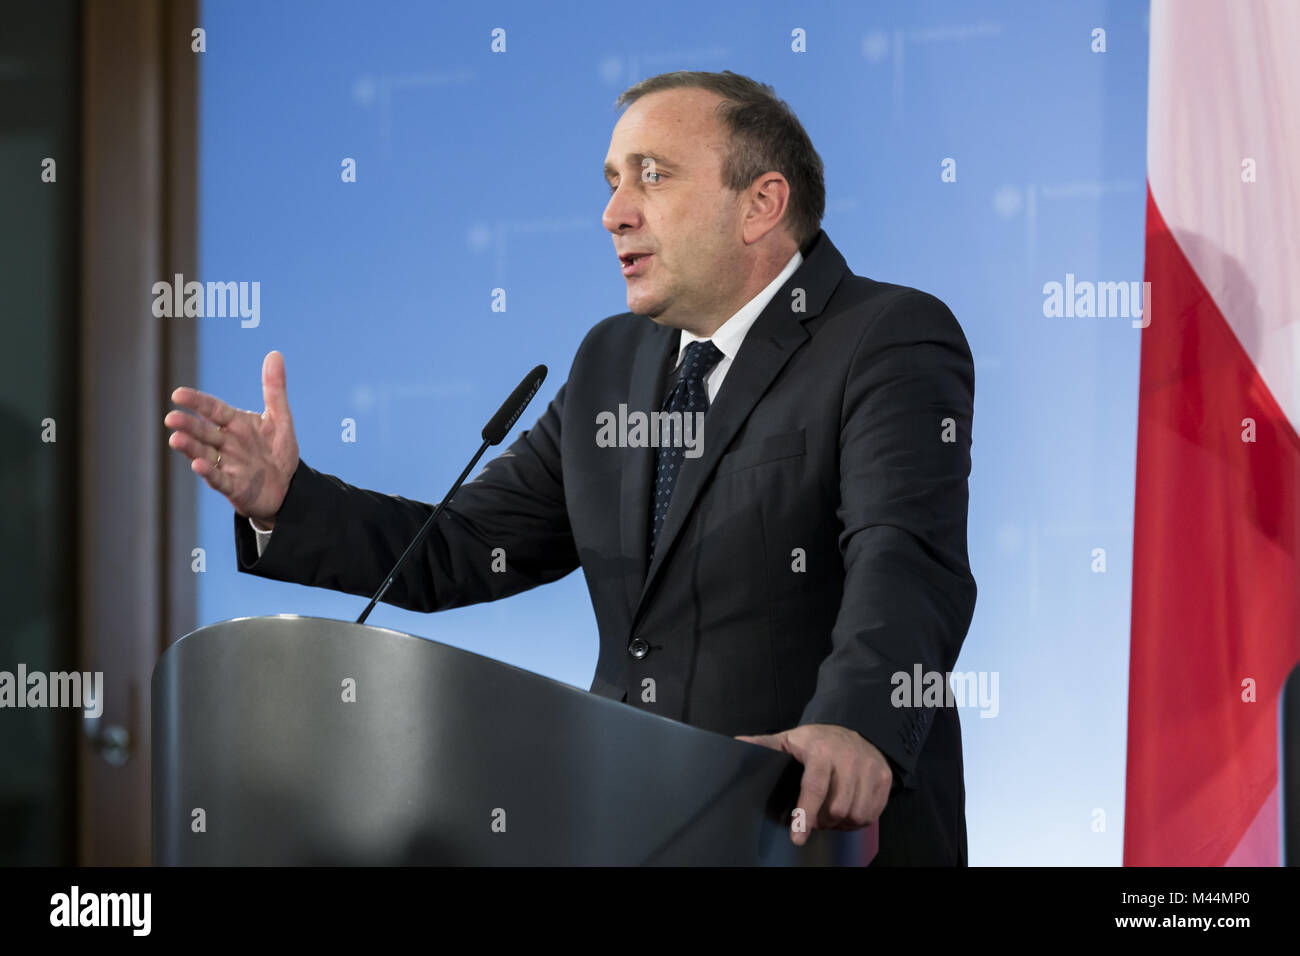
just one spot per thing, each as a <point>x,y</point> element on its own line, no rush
<point>727,338</point>
<point>732,332</point>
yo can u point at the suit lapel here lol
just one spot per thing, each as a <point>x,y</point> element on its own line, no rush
<point>649,370</point>
<point>767,347</point>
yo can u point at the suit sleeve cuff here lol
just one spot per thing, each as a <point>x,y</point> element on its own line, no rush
<point>898,733</point>
<point>250,542</point>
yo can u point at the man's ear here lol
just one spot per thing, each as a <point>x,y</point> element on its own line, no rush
<point>767,203</point>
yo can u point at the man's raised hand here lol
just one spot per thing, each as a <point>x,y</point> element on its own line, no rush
<point>248,457</point>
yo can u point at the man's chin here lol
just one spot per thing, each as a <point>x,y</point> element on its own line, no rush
<point>648,309</point>
<point>656,310</point>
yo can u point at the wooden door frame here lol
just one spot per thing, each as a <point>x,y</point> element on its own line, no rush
<point>137,499</point>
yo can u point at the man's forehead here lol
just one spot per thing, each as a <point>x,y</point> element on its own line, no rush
<point>682,105</point>
<point>667,123</point>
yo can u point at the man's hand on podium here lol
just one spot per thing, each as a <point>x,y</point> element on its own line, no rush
<point>249,458</point>
<point>846,779</point>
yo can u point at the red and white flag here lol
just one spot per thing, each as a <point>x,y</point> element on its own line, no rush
<point>1216,577</point>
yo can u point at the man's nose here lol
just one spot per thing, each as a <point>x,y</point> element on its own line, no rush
<point>621,212</point>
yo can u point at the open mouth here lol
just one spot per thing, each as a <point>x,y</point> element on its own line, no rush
<point>634,262</point>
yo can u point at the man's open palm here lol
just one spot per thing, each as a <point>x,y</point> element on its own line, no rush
<point>248,457</point>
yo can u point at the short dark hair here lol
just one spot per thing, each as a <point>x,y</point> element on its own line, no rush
<point>765,135</point>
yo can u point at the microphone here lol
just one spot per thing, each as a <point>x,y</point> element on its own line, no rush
<point>494,432</point>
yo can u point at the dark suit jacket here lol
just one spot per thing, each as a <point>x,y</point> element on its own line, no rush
<point>816,548</point>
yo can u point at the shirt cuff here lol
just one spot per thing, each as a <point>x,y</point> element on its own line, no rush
<point>263,537</point>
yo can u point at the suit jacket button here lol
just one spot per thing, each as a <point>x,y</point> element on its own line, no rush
<point>638,649</point>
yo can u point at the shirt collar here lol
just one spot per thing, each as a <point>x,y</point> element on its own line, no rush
<point>731,333</point>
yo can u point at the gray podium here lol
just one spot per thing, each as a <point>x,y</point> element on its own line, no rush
<point>303,741</point>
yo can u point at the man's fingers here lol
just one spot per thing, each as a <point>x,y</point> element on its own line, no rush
<point>201,403</point>
<point>274,389</point>
<point>199,428</point>
<point>840,801</point>
<point>813,789</point>
<point>208,462</point>
<point>772,741</point>
<point>216,478</point>
<point>865,809</point>
<point>192,448</point>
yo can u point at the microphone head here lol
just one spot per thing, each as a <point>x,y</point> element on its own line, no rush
<point>497,429</point>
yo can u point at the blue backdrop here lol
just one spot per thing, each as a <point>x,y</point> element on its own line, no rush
<point>479,170</point>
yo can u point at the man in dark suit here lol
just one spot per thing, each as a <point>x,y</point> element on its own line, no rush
<point>760,468</point>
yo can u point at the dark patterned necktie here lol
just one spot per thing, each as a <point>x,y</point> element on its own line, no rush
<point>688,397</point>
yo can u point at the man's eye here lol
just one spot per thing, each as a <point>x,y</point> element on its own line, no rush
<point>645,177</point>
